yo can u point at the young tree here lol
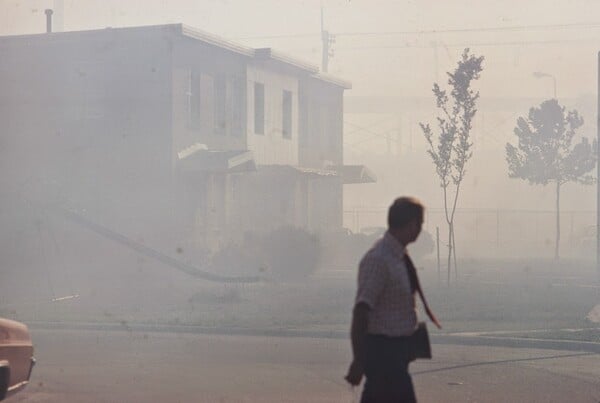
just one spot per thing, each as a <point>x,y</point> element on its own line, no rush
<point>546,154</point>
<point>451,149</point>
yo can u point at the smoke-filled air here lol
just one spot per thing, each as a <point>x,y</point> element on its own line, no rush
<point>285,201</point>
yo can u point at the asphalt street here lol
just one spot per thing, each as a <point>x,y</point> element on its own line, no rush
<point>78,365</point>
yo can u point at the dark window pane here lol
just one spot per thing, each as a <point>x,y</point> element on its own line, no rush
<point>259,108</point>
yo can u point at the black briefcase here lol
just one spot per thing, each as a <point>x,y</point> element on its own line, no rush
<point>418,343</point>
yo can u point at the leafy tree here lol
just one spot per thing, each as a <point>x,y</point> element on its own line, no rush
<point>546,154</point>
<point>452,147</point>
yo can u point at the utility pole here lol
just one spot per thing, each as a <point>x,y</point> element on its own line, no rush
<point>598,177</point>
<point>327,40</point>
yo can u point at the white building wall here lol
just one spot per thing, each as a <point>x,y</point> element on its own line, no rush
<point>271,148</point>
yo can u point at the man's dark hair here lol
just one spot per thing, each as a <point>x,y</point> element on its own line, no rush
<point>403,211</point>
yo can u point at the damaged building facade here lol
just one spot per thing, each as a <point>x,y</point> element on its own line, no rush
<point>168,131</point>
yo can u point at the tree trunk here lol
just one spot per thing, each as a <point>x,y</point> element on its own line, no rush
<point>556,246</point>
<point>437,244</point>
<point>449,250</point>
<point>454,253</point>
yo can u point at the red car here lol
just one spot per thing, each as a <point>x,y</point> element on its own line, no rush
<point>16,357</point>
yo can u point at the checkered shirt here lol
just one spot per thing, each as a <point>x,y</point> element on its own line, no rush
<point>384,285</point>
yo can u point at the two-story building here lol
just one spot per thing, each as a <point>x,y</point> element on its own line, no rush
<point>168,130</point>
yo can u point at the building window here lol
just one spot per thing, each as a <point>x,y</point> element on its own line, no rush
<point>259,108</point>
<point>220,104</point>
<point>286,124</point>
<point>193,98</point>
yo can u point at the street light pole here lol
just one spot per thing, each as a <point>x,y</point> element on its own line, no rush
<point>539,74</point>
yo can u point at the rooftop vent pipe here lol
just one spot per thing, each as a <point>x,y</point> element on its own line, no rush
<point>48,12</point>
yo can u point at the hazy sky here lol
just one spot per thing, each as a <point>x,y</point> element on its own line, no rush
<point>380,45</point>
<point>396,48</point>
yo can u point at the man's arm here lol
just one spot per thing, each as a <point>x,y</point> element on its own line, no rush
<point>358,334</point>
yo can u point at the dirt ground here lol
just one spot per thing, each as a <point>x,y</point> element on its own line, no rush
<point>120,366</point>
<point>533,300</point>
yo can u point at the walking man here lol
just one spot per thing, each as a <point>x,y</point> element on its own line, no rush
<point>384,313</point>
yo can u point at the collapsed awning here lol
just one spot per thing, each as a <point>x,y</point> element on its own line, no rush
<point>348,173</point>
<point>355,174</point>
<point>295,170</point>
<point>316,172</point>
<point>217,161</point>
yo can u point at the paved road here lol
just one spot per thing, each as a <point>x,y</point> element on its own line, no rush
<point>118,366</point>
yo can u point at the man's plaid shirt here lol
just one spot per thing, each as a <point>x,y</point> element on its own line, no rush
<point>384,285</point>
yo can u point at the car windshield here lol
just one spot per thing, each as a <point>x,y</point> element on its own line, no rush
<point>188,189</point>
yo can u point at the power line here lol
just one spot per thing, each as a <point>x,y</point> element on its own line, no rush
<point>470,30</point>
<point>458,45</point>
<point>372,133</point>
<point>471,44</point>
<point>315,35</point>
<point>515,28</point>
<point>371,125</point>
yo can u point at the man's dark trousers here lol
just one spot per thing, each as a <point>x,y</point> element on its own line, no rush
<point>386,370</point>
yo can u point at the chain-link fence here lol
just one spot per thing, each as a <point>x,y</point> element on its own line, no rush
<point>498,233</point>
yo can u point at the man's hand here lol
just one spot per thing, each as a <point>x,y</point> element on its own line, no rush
<point>358,334</point>
<point>355,374</point>
<point>433,318</point>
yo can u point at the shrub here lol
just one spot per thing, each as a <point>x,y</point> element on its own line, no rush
<point>287,253</point>
<point>237,260</point>
<point>291,253</point>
